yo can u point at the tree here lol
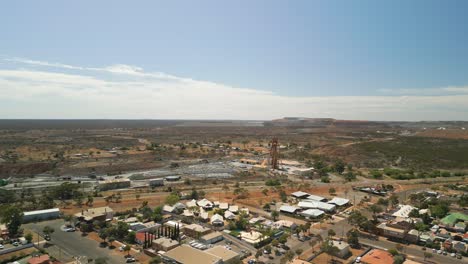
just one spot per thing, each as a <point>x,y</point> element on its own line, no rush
<point>398,259</point>
<point>172,199</point>
<point>103,234</point>
<point>266,207</point>
<point>90,200</point>
<point>427,255</point>
<point>331,233</point>
<point>265,192</point>
<point>156,260</point>
<point>127,248</point>
<point>394,200</point>
<point>375,209</point>
<point>111,239</point>
<point>353,237</point>
<point>48,231</point>
<point>332,191</point>
<point>355,218</point>
<point>350,176</point>
<point>339,166</point>
<point>329,248</point>
<point>439,210</point>
<point>28,237</point>
<point>274,215</point>
<point>12,216</point>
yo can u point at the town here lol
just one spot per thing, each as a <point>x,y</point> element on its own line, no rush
<point>246,210</point>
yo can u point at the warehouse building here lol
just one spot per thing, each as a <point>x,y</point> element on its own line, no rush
<point>41,215</point>
<point>156,182</point>
<point>212,238</point>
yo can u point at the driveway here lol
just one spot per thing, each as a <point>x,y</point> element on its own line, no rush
<point>66,245</point>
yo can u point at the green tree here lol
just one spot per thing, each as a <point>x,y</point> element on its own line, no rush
<point>427,255</point>
<point>331,233</point>
<point>353,237</point>
<point>28,237</point>
<point>332,191</point>
<point>172,199</point>
<point>156,260</point>
<point>274,215</point>
<point>375,209</point>
<point>339,166</point>
<point>12,216</point>
<point>48,231</point>
<point>127,248</point>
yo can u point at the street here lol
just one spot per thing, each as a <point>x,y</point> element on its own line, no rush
<point>66,245</point>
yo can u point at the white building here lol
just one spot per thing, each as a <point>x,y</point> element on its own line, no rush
<point>312,213</point>
<point>311,204</point>
<point>40,215</point>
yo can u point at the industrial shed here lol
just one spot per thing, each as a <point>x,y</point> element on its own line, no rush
<point>41,215</point>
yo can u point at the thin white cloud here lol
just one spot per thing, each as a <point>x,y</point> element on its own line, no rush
<point>426,91</point>
<point>45,93</point>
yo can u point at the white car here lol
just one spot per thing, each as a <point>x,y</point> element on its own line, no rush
<point>2,246</point>
<point>70,229</point>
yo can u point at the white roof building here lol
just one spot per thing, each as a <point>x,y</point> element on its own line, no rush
<point>256,220</point>
<point>312,213</point>
<point>299,194</point>
<point>223,206</point>
<point>339,201</point>
<point>229,215</point>
<point>217,220</point>
<point>234,208</point>
<point>252,237</point>
<point>192,203</point>
<point>288,209</point>
<point>285,223</point>
<point>404,211</point>
<point>168,209</point>
<point>315,198</point>
<point>205,203</point>
<point>311,204</point>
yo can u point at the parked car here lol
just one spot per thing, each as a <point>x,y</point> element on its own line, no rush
<point>285,247</point>
<point>423,248</point>
<point>70,229</point>
<point>453,255</point>
<point>2,246</point>
<point>130,259</point>
<point>439,251</point>
<point>15,243</point>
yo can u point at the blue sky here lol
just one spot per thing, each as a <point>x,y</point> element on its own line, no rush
<point>330,51</point>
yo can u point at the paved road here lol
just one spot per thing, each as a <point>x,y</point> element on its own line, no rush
<point>414,251</point>
<point>73,244</point>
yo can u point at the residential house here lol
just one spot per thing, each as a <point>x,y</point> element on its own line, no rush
<point>217,220</point>
<point>95,214</point>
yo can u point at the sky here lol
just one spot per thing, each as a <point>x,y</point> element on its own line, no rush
<point>246,59</point>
